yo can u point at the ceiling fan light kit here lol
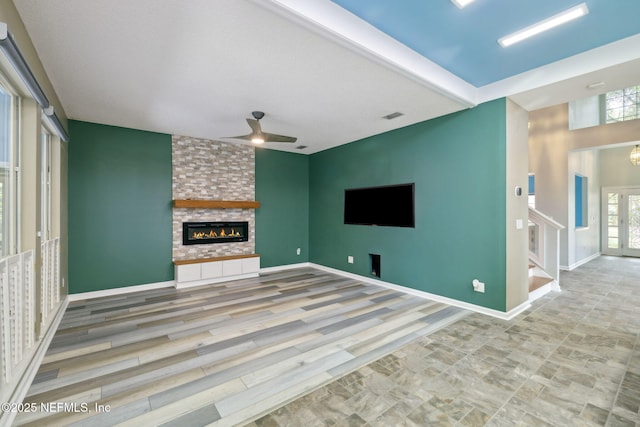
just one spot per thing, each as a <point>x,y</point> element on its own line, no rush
<point>257,136</point>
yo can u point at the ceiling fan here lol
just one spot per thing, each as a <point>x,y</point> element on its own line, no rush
<point>258,136</point>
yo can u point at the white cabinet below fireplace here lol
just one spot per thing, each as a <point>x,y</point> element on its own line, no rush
<point>214,270</point>
<point>210,270</point>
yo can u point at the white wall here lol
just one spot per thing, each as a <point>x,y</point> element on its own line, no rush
<point>517,206</point>
<point>550,145</point>
<point>584,242</point>
<point>615,168</point>
<point>548,160</point>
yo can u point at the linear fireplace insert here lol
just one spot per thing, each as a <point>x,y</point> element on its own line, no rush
<point>197,233</point>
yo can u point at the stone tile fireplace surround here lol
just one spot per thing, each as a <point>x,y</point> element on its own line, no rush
<point>212,170</point>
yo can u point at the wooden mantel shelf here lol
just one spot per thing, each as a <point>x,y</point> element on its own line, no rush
<point>217,204</point>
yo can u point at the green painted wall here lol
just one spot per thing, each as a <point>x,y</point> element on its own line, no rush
<point>119,207</point>
<point>458,164</point>
<point>282,221</point>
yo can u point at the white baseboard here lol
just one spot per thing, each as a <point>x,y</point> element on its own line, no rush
<point>579,263</point>
<point>120,291</point>
<point>468,306</point>
<point>285,267</point>
<point>40,351</point>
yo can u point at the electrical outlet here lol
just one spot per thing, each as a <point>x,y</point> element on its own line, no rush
<point>478,286</point>
<point>350,259</point>
<point>298,251</point>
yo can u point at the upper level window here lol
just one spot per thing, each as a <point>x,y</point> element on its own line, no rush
<point>611,107</point>
<point>622,104</point>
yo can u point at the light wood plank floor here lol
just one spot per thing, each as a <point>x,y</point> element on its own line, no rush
<point>222,354</point>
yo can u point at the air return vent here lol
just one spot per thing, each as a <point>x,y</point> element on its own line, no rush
<point>393,115</point>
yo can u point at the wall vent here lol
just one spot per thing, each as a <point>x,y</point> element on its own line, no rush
<point>393,115</point>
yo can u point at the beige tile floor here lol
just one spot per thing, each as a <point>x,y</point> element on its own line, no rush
<point>572,359</point>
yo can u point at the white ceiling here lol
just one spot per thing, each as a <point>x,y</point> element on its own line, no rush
<point>199,68</point>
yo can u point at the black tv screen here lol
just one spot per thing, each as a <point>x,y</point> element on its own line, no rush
<point>390,205</point>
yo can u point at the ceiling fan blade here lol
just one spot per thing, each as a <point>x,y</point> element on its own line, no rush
<point>255,126</point>
<point>247,137</point>
<point>272,137</point>
<point>257,133</point>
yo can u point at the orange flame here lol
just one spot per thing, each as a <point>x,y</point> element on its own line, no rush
<point>202,235</point>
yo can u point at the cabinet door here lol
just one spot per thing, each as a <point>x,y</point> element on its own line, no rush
<point>211,269</point>
<point>188,272</point>
<point>231,267</point>
<point>251,265</point>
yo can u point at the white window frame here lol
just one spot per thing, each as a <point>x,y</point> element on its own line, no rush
<point>46,184</point>
<point>13,238</point>
<point>623,107</point>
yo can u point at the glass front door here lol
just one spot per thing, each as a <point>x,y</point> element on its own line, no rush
<point>621,228</point>
<point>631,227</point>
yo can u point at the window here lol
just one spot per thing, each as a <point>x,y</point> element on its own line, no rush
<point>8,172</point>
<point>611,107</point>
<point>45,175</point>
<point>581,191</point>
<point>613,222</point>
<point>622,104</point>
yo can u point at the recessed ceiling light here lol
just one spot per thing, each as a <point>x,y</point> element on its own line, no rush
<point>462,3</point>
<point>544,25</point>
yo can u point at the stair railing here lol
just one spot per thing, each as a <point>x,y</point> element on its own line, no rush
<point>544,243</point>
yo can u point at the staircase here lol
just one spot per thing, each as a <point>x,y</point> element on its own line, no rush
<point>539,281</point>
<point>544,254</point>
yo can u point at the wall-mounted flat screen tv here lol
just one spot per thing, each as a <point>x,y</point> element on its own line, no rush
<point>390,205</point>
